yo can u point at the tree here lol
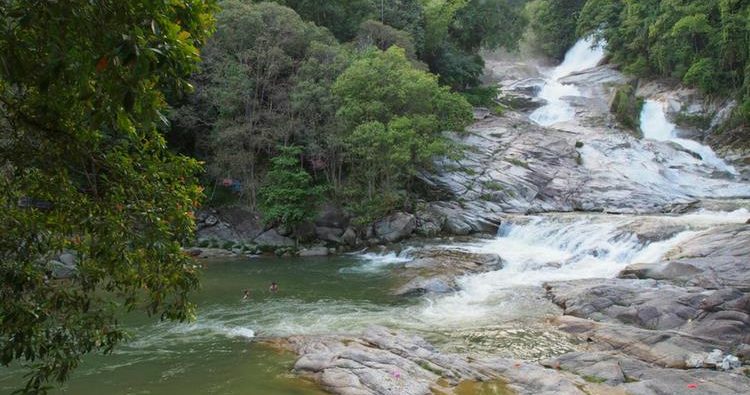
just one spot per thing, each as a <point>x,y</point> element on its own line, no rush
<point>84,171</point>
<point>553,25</point>
<point>341,17</point>
<point>457,29</point>
<point>373,33</point>
<point>288,197</point>
<point>396,115</point>
<point>258,68</point>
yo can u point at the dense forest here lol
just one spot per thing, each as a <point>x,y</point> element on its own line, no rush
<point>364,90</point>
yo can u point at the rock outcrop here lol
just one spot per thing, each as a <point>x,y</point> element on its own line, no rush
<point>689,312</point>
<point>435,270</point>
<point>382,362</point>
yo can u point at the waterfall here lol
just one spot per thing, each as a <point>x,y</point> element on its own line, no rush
<point>583,55</point>
<point>558,247</point>
<point>655,126</point>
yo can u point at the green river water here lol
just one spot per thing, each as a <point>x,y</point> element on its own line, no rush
<point>223,352</point>
<point>218,352</point>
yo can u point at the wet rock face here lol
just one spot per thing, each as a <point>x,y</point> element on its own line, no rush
<point>673,314</point>
<point>395,227</point>
<point>714,259</point>
<point>383,362</point>
<point>636,377</point>
<point>436,270</point>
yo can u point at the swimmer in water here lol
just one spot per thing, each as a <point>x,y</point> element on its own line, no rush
<point>274,287</point>
<point>246,294</point>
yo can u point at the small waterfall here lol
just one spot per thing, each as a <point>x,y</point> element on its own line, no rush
<point>584,55</point>
<point>559,248</point>
<point>655,126</point>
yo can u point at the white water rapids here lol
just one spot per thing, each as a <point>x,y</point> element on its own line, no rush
<point>584,55</point>
<point>655,126</point>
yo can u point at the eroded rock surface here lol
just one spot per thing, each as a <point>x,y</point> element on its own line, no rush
<point>435,270</point>
<point>383,362</point>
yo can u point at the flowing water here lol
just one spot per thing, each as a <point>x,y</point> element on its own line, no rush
<point>502,312</point>
<point>585,54</point>
<point>655,126</point>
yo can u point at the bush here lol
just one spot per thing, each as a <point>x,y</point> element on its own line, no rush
<point>627,107</point>
<point>288,196</point>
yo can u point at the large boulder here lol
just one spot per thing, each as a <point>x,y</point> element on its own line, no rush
<point>314,251</point>
<point>395,227</point>
<point>329,234</point>
<point>272,238</point>
<point>435,270</point>
<point>237,224</point>
<point>715,258</point>
<point>332,216</point>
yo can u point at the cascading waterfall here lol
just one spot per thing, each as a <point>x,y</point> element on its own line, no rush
<point>655,126</point>
<point>557,247</point>
<point>584,55</point>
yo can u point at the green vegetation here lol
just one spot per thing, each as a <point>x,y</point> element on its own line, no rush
<point>627,107</point>
<point>553,25</point>
<point>594,379</point>
<point>455,31</point>
<point>396,115</point>
<point>698,121</point>
<point>517,162</point>
<point>702,43</point>
<point>493,185</point>
<point>366,114</point>
<point>289,196</point>
<point>84,169</point>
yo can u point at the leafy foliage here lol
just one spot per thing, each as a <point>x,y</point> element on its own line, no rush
<point>702,43</point>
<point>84,169</point>
<point>457,29</point>
<point>397,114</point>
<point>553,24</point>
<point>265,82</point>
<point>289,196</point>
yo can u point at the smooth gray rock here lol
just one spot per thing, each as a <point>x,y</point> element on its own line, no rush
<point>60,270</point>
<point>718,318</point>
<point>383,362</point>
<point>271,238</point>
<point>329,234</point>
<point>395,227</point>
<point>435,270</point>
<point>349,237</point>
<point>636,377</point>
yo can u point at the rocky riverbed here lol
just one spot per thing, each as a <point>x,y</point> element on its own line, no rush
<point>670,315</point>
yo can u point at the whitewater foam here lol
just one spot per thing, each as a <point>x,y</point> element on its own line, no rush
<point>655,126</point>
<point>584,55</point>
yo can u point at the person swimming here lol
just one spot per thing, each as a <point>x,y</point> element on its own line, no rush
<point>274,287</point>
<point>246,294</point>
